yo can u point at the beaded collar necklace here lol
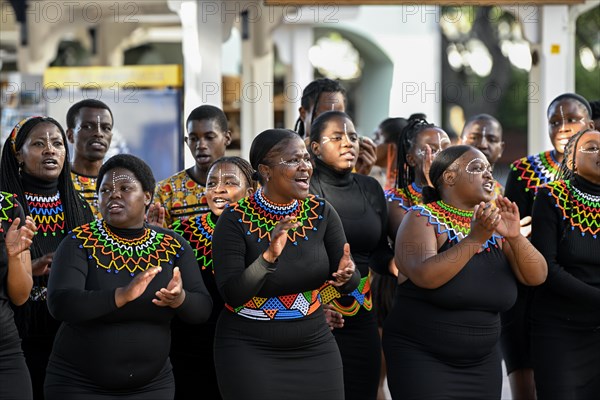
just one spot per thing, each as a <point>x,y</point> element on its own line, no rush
<point>537,169</point>
<point>261,215</point>
<point>114,253</point>
<point>406,199</point>
<point>456,223</point>
<point>198,231</point>
<point>581,210</point>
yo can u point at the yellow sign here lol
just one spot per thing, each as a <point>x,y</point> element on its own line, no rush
<point>142,76</point>
<point>555,49</point>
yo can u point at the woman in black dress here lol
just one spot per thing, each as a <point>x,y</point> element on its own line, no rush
<point>35,166</point>
<point>461,255</point>
<point>565,319</point>
<point>229,179</point>
<point>15,285</point>
<point>272,251</point>
<point>361,205</point>
<point>116,285</point>
<point>567,114</point>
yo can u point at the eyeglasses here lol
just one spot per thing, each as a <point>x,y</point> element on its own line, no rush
<point>295,162</point>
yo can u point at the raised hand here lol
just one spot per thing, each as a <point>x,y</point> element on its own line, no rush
<point>485,219</point>
<point>279,238</point>
<point>173,295</point>
<point>525,224</point>
<point>367,156</point>
<point>510,225</point>
<point>41,266</point>
<point>427,161</point>
<point>345,269</point>
<point>136,287</point>
<point>19,239</point>
<point>156,214</point>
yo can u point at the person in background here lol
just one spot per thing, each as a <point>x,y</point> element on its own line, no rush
<point>462,256</point>
<point>229,180</point>
<point>183,195</point>
<point>386,138</point>
<point>15,286</point>
<point>89,129</point>
<point>361,205</point>
<point>484,132</point>
<point>116,285</point>
<point>323,95</point>
<point>272,252</point>
<point>595,113</point>
<point>35,167</point>
<point>567,114</point>
<point>565,341</point>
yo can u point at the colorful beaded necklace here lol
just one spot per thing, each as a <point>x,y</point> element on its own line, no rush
<point>198,231</point>
<point>454,222</point>
<point>537,169</point>
<point>261,215</point>
<point>581,210</point>
<point>114,253</point>
<point>6,204</point>
<point>406,199</point>
<point>47,213</point>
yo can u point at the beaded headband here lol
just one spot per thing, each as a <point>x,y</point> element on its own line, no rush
<point>13,134</point>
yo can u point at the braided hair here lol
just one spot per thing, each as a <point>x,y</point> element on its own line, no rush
<point>310,98</point>
<point>406,173</point>
<point>242,164</point>
<point>567,168</point>
<point>76,210</point>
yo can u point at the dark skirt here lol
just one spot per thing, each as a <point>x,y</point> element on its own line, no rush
<point>60,385</point>
<point>15,382</point>
<point>360,347</point>
<point>290,359</point>
<point>566,361</point>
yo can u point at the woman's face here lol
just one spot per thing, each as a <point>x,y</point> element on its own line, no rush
<point>435,138</point>
<point>43,153</point>
<point>338,144</point>
<point>225,184</point>
<point>122,201</point>
<point>566,118</point>
<point>288,172</point>
<point>472,180</point>
<point>587,156</point>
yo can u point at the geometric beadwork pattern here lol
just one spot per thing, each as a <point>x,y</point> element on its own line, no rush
<point>114,253</point>
<point>579,209</point>
<point>454,222</point>
<point>198,231</point>
<point>537,169</point>
<point>261,216</point>
<point>47,213</point>
<point>405,199</point>
<point>290,306</point>
<point>361,295</point>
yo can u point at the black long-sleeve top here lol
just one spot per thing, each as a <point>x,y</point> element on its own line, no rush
<point>310,256</point>
<point>119,348</point>
<point>526,175</point>
<point>360,202</point>
<point>9,337</point>
<point>566,230</point>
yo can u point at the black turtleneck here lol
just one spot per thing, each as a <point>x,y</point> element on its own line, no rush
<point>572,289</point>
<point>360,202</point>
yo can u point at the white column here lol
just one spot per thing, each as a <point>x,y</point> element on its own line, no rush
<point>257,80</point>
<point>552,76</point>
